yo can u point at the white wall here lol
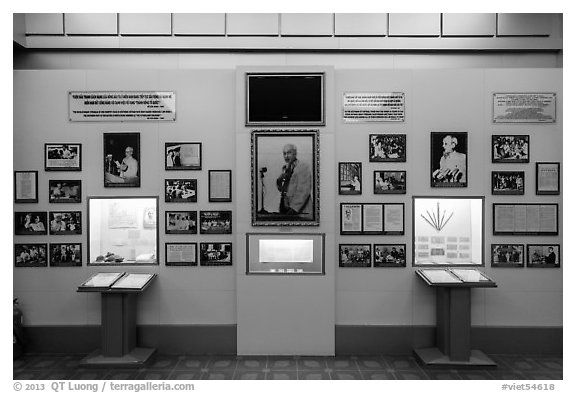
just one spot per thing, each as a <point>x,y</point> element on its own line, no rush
<point>437,99</point>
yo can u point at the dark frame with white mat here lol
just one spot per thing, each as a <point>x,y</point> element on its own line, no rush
<point>19,195</point>
<point>73,163</point>
<point>255,266</point>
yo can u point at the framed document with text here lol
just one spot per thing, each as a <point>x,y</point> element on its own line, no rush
<point>525,219</point>
<point>220,186</point>
<point>547,178</point>
<point>25,186</point>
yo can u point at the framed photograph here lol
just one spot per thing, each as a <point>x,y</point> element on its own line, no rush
<point>180,190</point>
<point>507,182</point>
<point>350,218</point>
<point>525,219</point>
<point>294,99</point>
<point>30,223</point>
<point>219,186</point>
<point>65,254</point>
<point>543,255</point>
<point>215,254</point>
<point>181,222</point>
<point>507,255</point>
<point>25,186</point>
<point>30,255</point>
<point>181,254</point>
<point>511,149</point>
<point>183,156</point>
<point>65,191</point>
<point>389,182</point>
<point>122,159</point>
<point>349,178</point>
<point>448,231</point>
<point>121,231</point>
<point>547,178</point>
<point>449,159</point>
<point>285,177</point>
<point>389,255</point>
<point>387,148</point>
<point>354,255</point>
<point>65,223</point>
<point>216,222</point>
<point>62,157</point>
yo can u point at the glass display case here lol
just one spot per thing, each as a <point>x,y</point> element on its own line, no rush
<point>448,231</point>
<point>122,230</point>
<point>294,253</point>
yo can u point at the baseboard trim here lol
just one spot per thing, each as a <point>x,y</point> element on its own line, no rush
<point>350,339</point>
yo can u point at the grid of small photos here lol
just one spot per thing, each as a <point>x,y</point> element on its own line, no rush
<point>121,169</point>
<point>58,157</point>
<point>182,156</point>
<point>386,150</point>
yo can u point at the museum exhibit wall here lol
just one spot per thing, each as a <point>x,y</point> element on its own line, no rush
<point>198,303</point>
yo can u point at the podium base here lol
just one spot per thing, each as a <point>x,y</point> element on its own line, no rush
<point>135,358</point>
<point>433,357</point>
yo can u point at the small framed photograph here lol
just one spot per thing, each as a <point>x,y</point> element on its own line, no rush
<point>30,223</point>
<point>349,178</point>
<point>216,222</point>
<point>181,222</point>
<point>65,191</point>
<point>355,255</point>
<point>215,254</point>
<point>387,147</point>
<point>543,255</point>
<point>180,190</point>
<point>183,156</point>
<point>508,183</point>
<point>25,186</point>
<point>449,159</point>
<point>122,159</point>
<point>181,254</point>
<point>389,255</point>
<point>507,255</point>
<point>31,255</point>
<point>62,157</point>
<point>389,182</point>
<point>350,218</point>
<point>65,223</point>
<point>511,149</point>
<point>547,178</point>
<point>219,186</point>
<point>65,254</point>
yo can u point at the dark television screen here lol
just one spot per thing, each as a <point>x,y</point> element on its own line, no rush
<point>285,99</point>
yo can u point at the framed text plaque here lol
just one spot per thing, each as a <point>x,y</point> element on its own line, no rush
<point>526,219</point>
<point>524,108</point>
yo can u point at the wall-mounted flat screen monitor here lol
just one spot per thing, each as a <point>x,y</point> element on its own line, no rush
<point>448,231</point>
<point>292,253</point>
<point>122,230</point>
<point>285,99</point>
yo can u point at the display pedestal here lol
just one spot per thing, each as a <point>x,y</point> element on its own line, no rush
<point>453,313</point>
<point>118,330</point>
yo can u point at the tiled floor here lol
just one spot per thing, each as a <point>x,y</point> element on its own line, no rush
<point>66,367</point>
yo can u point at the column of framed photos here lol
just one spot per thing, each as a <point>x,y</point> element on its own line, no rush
<point>523,219</point>
<point>58,157</point>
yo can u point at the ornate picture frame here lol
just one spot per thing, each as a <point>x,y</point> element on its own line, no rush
<point>285,169</point>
